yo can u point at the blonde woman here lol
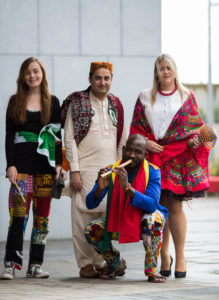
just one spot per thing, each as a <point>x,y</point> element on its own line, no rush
<point>168,116</point>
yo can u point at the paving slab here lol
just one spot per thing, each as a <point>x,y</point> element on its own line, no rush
<point>202,260</point>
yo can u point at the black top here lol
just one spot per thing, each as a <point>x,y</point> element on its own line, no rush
<point>24,155</point>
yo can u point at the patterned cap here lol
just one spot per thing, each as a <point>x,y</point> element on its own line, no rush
<point>95,65</point>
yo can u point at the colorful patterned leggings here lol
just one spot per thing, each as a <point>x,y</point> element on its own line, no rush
<point>36,188</point>
<point>152,226</point>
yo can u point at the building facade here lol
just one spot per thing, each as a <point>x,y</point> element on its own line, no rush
<point>66,35</point>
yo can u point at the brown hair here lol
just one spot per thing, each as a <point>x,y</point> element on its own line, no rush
<point>18,102</point>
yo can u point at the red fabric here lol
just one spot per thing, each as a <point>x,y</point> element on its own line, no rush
<point>183,170</point>
<point>123,216</point>
<point>214,183</point>
<point>169,151</point>
<point>120,110</point>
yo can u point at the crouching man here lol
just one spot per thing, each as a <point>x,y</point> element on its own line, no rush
<point>133,211</point>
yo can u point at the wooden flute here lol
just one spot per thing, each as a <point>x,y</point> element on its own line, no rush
<point>120,166</point>
<point>20,192</point>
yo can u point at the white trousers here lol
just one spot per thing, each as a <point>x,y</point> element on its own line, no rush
<point>84,253</point>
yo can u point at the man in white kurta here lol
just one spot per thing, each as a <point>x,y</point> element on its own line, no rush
<point>99,148</point>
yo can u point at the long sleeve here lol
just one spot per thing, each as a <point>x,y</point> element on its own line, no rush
<point>55,118</point>
<point>121,143</point>
<point>9,141</point>
<point>91,202</point>
<point>71,150</point>
<point>150,200</point>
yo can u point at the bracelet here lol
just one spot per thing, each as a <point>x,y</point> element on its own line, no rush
<point>128,187</point>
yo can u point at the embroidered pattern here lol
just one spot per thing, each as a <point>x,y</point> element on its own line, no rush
<point>39,237</point>
<point>152,226</point>
<point>151,231</point>
<point>94,233</point>
<point>19,213</point>
<point>187,172</point>
<point>43,184</point>
<point>81,113</point>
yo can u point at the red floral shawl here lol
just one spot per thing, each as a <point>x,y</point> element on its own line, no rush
<point>183,170</point>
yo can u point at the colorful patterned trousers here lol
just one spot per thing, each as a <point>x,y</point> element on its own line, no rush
<point>36,188</point>
<point>152,226</point>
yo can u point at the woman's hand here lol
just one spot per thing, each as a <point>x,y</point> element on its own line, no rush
<point>12,174</point>
<point>58,170</point>
<point>154,147</point>
<point>194,142</point>
<point>75,181</point>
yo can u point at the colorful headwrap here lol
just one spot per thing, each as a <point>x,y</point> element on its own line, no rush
<point>95,65</point>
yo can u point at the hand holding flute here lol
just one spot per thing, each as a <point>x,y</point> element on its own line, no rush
<point>120,166</point>
<point>103,178</point>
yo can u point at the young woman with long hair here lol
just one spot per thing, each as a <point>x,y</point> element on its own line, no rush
<point>34,157</point>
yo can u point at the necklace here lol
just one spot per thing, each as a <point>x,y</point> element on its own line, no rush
<point>170,93</point>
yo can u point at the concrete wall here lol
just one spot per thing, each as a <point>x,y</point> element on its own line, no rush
<point>66,35</point>
<point>201,94</point>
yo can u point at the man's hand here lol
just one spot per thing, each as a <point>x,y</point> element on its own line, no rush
<point>75,181</point>
<point>194,142</point>
<point>12,174</point>
<point>102,182</point>
<point>122,177</point>
<point>154,147</point>
<point>123,181</point>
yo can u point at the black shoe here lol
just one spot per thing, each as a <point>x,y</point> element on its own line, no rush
<point>167,273</point>
<point>180,274</point>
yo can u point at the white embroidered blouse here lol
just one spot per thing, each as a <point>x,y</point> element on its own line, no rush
<point>163,111</point>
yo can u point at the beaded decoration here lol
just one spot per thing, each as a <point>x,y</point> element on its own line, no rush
<point>207,136</point>
<point>170,93</point>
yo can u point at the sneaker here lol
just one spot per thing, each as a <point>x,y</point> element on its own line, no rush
<point>9,271</point>
<point>35,271</point>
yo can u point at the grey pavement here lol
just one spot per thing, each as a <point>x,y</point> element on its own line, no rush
<point>201,282</point>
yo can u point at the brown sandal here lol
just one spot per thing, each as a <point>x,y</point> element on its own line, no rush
<point>157,278</point>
